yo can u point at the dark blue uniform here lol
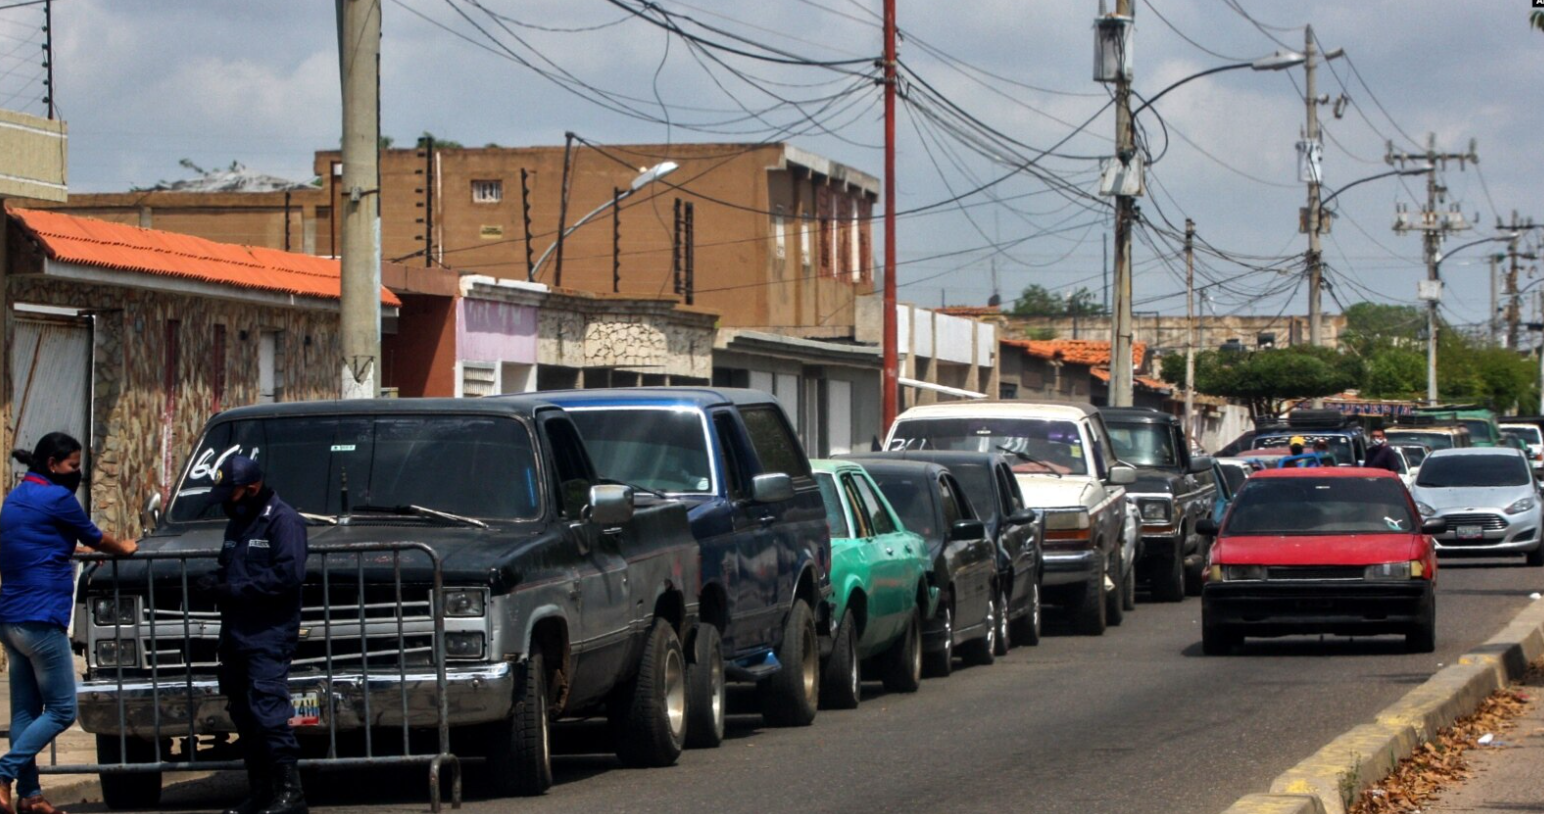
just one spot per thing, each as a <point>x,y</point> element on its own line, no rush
<point>262,565</point>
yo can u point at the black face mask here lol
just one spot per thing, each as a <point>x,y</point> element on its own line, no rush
<point>245,507</point>
<point>69,480</point>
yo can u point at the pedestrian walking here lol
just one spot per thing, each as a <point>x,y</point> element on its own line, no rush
<point>41,524</point>
<point>1381,456</point>
<point>257,589</point>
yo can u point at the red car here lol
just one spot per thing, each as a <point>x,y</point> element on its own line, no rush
<point>1338,550</point>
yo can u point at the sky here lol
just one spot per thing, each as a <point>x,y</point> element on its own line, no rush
<point>146,83</point>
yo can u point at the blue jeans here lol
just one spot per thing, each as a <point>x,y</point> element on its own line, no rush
<point>42,697</point>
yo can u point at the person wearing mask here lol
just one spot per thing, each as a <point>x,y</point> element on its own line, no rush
<point>1322,447</point>
<point>257,589</point>
<point>41,524</point>
<point>1381,455</point>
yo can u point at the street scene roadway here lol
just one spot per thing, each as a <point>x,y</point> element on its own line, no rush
<point>1134,721</point>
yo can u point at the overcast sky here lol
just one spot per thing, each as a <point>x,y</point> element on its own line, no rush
<point>148,82</point>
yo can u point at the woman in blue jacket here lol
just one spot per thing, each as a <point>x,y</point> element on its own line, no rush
<point>41,523</point>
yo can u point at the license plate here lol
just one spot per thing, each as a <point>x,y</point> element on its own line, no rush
<point>1470,532</point>
<point>308,709</point>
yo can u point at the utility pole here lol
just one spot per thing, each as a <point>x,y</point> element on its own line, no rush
<point>890,383</point>
<point>1313,216</point>
<point>1495,307</point>
<point>1514,306</point>
<point>359,57</point>
<point>1434,227</point>
<point>1123,179</point>
<point>1190,329</point>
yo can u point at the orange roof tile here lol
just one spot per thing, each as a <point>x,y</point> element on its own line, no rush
<point>1076,351</point>
<point>1103,375</point>
<point>93,242</point>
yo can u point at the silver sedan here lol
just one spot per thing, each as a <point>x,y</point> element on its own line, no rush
<point>1489,498</point>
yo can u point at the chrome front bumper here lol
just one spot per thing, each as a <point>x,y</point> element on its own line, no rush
<point>474,694</point>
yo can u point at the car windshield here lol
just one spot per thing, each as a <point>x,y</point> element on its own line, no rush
<point>1434,440</point>
<point>1304,506</point>
<point>836,518</point>
<point>1339,445</point>
<point>1528,435</point>
<point>1144,444</point>
<point>477,466</point>
<point>662,449</point>
<point>1414,455</point>
<point>1473,471</point>
<point>910,496</point>
<point>1478,428</point>
<point>1054,446</point>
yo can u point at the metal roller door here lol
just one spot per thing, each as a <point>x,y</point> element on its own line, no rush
<point>51,377</point>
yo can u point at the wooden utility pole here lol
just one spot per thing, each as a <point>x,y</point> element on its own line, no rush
<point>1121,372</point>
<point>890,378</point>
<point>1514,304</point>
<point>359,56</point>
<point>1190,330</point>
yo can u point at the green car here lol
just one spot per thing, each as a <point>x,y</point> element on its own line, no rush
<point>879,571</point>
<point>1481,423</point>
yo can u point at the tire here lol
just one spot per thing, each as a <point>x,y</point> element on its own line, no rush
<point>1004,634</point>
<point>1169,582</point>
<point>1025,630</point>
<point>1115,599</point>
<point>840,684</point>
<point>1128,591</point>
<point>1194,574</point>
<point>983,651</point>
<point>520,754</point>
<point>792,695</point>
<point>1217,640</point>
<point>137,791</point>
<point>1422,638</point>
<point>900,668</point>
<point>940,663</point>
<point>1536,557</point>
<point>705,701</point>
<point>653,725</point>
<point>1088,612</point>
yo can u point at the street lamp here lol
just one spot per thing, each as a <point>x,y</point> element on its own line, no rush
<point>1279,61</point>
<point>644,178</point>
<point>1410,171</point>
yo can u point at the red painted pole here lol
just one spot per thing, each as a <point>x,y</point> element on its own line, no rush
<point>891,376</point>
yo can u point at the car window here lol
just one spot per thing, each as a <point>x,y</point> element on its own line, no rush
<point>836,518</point>
<point>975,480</point>
<point>1307,506</point>
<point>1462,470</point>
<point>946,498</point>
<point>1144,444</point>
<point>1037,445</point>
<point>568,466</point>
<point>873,507</point>
<point>1013,498</point>
<point>730,454</point>
<point>949,489</point>
<point>1204,479</point>
<point>863,525</point>
<point>1340,446</point>
<point>1104,449</point>
<point>660,449</point>
<point>775,443</point>
<point>1234,475</point>
<point>1435,440</point>
<point>912,498</point>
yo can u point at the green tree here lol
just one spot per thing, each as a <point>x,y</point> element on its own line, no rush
<point>1372,326</point>
<point>1039,301</point>
<point>1083,303</point>
<point>1395,373</point>
<point>1266,379</point>
<point>439,143</point>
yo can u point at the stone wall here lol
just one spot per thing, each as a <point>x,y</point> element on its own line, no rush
<point>141,432</point>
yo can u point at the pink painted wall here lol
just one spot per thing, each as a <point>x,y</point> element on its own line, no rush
<point>487,331</point>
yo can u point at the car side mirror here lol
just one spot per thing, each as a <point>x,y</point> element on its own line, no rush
<point>1206,527</point>
<point>1434,525</point>
<point>967,530</point>
<point>773,487</point>
<point>610,504</point>
<point>1122,475</point>
<point>1022,516</point>
<point>1201,464</point>
<point>150,517</point>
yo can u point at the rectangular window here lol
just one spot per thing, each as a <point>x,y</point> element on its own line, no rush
<point>853,243</point>
<point>774,441</point>
<point>779,237</point>
<point>270,367</point>
<point>488,191</point>
<point>479,379</point>
<point>806,233</point>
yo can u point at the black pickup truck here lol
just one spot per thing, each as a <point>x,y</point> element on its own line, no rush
<point>1169,497</point>
<point>731,456</point>
<point>563,595</point>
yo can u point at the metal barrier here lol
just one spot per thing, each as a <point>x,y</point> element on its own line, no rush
<point>158,697</point>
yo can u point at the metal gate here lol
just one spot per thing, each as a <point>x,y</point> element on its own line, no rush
<point>51,375</point>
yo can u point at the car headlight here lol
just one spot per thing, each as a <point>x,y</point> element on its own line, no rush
<point>1238,573</point>
<point>107,612</point>
<point>463,645</point>
<point>1425,510</point>
<point>1155,511</point>
<point>117,653</point>
<point>462,604</point>
<point>1391,571</point>
<point>1066,521</point>
<point>1520,506</point>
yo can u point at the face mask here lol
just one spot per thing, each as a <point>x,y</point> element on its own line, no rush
<point>1378,442</point>
<point>241,507</point>
<point>69,480</point>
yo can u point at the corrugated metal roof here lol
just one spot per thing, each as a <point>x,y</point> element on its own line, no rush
<point>92,242</point>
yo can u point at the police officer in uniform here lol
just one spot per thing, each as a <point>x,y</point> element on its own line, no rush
<point>257,588</point>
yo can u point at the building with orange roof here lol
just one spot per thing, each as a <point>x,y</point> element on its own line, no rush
<point>130,339</point>
<point>1074,370</point>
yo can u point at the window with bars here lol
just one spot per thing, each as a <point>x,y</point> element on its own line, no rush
<point>487,191</point>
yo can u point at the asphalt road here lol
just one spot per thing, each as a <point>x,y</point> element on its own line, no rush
<point>1135,721</point>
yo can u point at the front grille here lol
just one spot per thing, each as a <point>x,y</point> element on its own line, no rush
<point>1488,522</point>
<point>1290,573</point>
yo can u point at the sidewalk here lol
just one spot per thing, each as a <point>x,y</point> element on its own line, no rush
<point>74,746</point>
<point>1506,779</point>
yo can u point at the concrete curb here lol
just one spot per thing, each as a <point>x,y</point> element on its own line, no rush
<point>1363,756</point>
<point>83,790</point>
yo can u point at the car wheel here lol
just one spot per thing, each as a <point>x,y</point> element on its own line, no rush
<point>519,757</point>
<point>1422,638</point>
<point>1004,638</point>
<point>1536,556</point>
<point>1114,596</point>
<point>137,791</point>
<point>792,695</point>
<point>653,726</point>
<point>1026,629</point>
<point>901,665</point>
<point>1089,610</point>
<point>839,685</point>
<point>1128,591</point>
<point>705,694</point>
<point>1217,640</point>
<point>1194,574</point>
<point>1169,579</point>
<point>983,651</point>
<point>939,663</point>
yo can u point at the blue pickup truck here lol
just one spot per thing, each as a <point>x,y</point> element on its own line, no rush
<point>755,508</point>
